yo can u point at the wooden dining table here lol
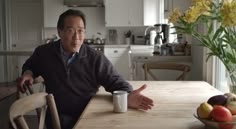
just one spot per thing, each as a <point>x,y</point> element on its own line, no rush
<point>175,102</point>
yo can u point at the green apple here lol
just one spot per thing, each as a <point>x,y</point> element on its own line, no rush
<point>204,110</point>
<point>231,104</point>
<point>229,94</point>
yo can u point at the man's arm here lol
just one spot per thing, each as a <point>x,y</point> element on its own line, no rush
<point>112,81</point>
<point>109,77</point>
<point>138,101</point>
<point>27,76</point>
<point>27,72</point>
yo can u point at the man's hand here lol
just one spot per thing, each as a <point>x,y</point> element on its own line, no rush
<point>138,101</point>
<point>24,79</point>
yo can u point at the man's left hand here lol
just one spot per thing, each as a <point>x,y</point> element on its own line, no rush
<point>138,101</point>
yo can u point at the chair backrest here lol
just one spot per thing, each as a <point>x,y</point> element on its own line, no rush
<point>168,66</point>
<point>29,103</point>
<point>39,83</point>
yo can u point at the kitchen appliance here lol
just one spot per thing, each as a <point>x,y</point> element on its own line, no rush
<point>112,36</point>
<point>165,33</point>
<point>84,3</point>
<point>139,40</point>
<point>158,39</point>
<point>94,45</point>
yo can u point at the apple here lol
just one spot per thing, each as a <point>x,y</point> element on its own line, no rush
<point>217,100</point>
<point>229,94</point>
<point>204,110</point>
<point>231,104</point>
<point>221,114</point>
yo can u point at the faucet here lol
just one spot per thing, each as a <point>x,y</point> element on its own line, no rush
<point>149,27</point>
<point>147,36</point>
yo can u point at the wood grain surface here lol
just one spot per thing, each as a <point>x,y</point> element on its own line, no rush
<point>175,102</point>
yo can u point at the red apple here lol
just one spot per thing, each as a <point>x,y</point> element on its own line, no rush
<point>221,114</point>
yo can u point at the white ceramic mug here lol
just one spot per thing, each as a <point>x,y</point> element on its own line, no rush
<point>120,101</point>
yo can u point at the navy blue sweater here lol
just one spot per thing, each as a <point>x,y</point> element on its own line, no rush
<point>73,87</point>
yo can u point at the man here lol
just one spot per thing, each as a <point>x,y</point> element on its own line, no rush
<point>73,71</point>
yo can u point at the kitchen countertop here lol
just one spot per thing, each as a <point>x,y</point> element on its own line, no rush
<point>150,58</point>
<point>16,53</point>
<point>116,46</point>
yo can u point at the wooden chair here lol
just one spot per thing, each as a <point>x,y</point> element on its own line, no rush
<point>29,90</point>
<point>166,66</point>
<point>26,104</point>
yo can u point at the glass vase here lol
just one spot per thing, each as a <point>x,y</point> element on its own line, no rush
<point>231,80</point>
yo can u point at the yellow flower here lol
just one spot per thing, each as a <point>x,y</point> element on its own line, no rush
<point>204,7</point>
<point>200,7</point>
<point>173,18</point>
<point>219,20</point>
<point>192,14</point>
<point>207,2</point>
<point>228,13</point>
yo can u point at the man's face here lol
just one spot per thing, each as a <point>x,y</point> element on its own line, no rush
<point>72,35</point>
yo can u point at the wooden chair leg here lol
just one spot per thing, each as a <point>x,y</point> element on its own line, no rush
<point>21,121</point>
<point>52,106</point>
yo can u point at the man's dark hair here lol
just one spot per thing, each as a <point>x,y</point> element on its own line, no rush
<point>70,12</point>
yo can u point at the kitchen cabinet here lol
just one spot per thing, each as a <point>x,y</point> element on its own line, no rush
<point>170,5</point>
<point>153,12</point>
<point>119,57</point>
<point>123,12</point>
<point>133,13</point>
<point>52,10</point>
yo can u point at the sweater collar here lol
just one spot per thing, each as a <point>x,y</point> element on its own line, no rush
<point>82,51</point>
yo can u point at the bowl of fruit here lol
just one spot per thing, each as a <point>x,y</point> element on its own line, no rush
<point>218,112</point>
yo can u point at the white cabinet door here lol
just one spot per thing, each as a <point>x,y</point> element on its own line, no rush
<point>52,11</point>
<point>119,57</point>
<point>124,12</point>
<point>168,5</point>
<point>25,31</point>
<point>116,13</point>
<point>153,12</point>
<point>135,12</point>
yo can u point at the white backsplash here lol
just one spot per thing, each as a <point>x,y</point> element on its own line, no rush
<point>122,30</point>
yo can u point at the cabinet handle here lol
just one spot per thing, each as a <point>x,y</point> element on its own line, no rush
<point>115,51</point>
